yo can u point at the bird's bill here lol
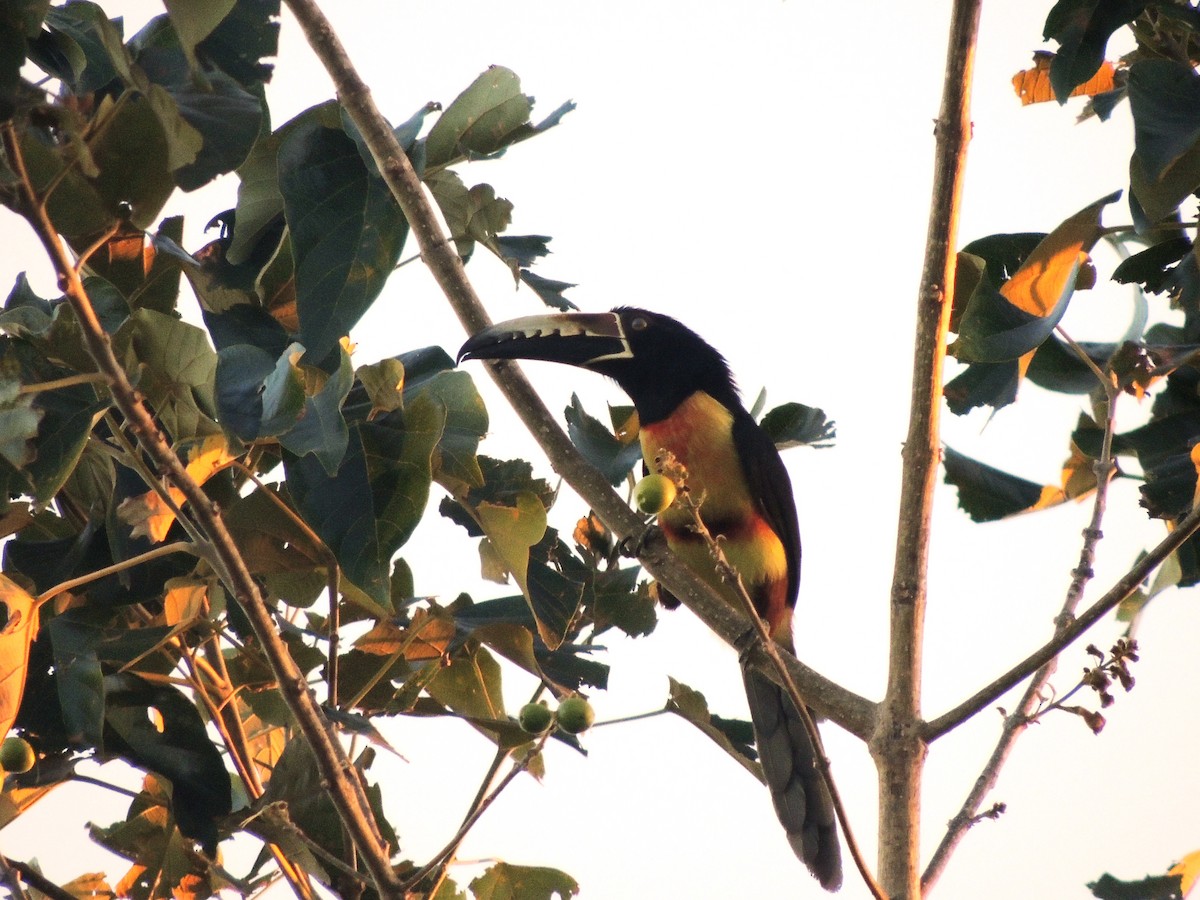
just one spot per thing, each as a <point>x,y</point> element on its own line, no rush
<point>577,339</point>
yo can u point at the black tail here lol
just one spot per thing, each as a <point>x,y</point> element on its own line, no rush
<point>798,789</point>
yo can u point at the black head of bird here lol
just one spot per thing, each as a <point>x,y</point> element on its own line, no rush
<point>658,361</point>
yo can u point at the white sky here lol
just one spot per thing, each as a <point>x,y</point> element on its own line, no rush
<point>761,170</point>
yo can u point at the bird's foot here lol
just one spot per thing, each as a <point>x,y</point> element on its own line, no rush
<point>635,545</point>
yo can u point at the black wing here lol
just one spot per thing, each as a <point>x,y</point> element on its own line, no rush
<point>771,488</point>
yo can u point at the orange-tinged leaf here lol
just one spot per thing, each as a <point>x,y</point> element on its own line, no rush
<point>185,600</point>
<point>425,638</point>
<point>1078,474</point>
<point>1033,84</point>
<point>1188,870</point>
<point>17,633</point>
<point>1195,454</point>
<point>149,514</point>
<point>1051,269</point>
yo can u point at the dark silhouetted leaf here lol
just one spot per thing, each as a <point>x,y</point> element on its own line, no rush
<point>178,749</point>
<point>727,734</point>
<point>794,424</point>
<point>346,229</point>
<point>1082,29</point>
<point>614,457</point>
<point>1152,887</point>
<point>986,493</point>
<point>550,291</point>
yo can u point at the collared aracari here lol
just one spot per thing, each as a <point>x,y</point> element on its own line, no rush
<point>688,404</point>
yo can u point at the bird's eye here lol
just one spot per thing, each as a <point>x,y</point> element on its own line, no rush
<point>639,324</point>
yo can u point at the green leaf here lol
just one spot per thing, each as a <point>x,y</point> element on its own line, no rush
<point>321,429</point>
<point>794,424</point>
<point>240,41</point>
<point>346,229</point>
<point>483,119</point>
<point>1082,29</point>
<point>505,881</point>
<point>471,686</point>
<point>370,507</point>
<point>511,531</point>
<point>18,420</point>
<point>173,365</point>
<point>456,466</point>
<point>68,415</point>
<point>549,290</point>
<point>91,42</point>
<point>76,206</point>
<point>145,141</point>
<point>194,20</point>
<point>1003,325</point>
<point>1152,887</point>
<point>1164,96</point>
<point>178,749</point>
<point>604,450</point>
<point>384,383</point>
<point>228,119</point>
<point>78,677</point>
<point>258,396</point>
<point>259,199</point>
<point>730,735</point>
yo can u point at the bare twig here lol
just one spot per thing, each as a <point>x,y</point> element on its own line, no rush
<point>35,878</point>
<point>1016,723</point>
<point>897,744</point>
<point>853,712</point>
<point>148,556</point>
<point>478,809</point>
<point>1186,528</point>
<point>345,791</point>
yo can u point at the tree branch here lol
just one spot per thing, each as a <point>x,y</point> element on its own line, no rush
<point>1125,587</point>
<point>336,771</point>
<point>853,712</point>
<point>897,743</point>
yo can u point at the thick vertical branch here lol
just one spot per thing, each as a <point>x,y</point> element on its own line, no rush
<point>897,745</point>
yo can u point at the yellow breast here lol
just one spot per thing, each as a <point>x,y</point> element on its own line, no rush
<point>700,435</point>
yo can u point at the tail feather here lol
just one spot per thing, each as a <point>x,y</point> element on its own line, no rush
<point>797,787</point>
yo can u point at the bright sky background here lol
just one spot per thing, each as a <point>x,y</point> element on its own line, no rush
<point>761,170</point>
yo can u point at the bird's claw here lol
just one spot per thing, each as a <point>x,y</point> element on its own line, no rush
<point>634,545</point>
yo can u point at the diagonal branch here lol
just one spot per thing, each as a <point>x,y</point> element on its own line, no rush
<point>336,771</point>
<point>851,711</point>
<point>1187,527</point>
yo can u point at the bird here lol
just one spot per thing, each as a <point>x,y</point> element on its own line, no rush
<point>688,403</point>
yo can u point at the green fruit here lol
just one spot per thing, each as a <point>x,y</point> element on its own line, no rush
<point>16,755</point>
<point>654,494</point>
<point>535,718</point>
<point>575,715</point>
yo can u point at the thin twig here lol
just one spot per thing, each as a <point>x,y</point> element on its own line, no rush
<point>36,880</point>
<point>1125,586</point>
<point>149,555</point>
<point>330,563</point>
<point>474,815</point>
<point>730,575</point>
<point>57,384</point>
<point>1016,723</point>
